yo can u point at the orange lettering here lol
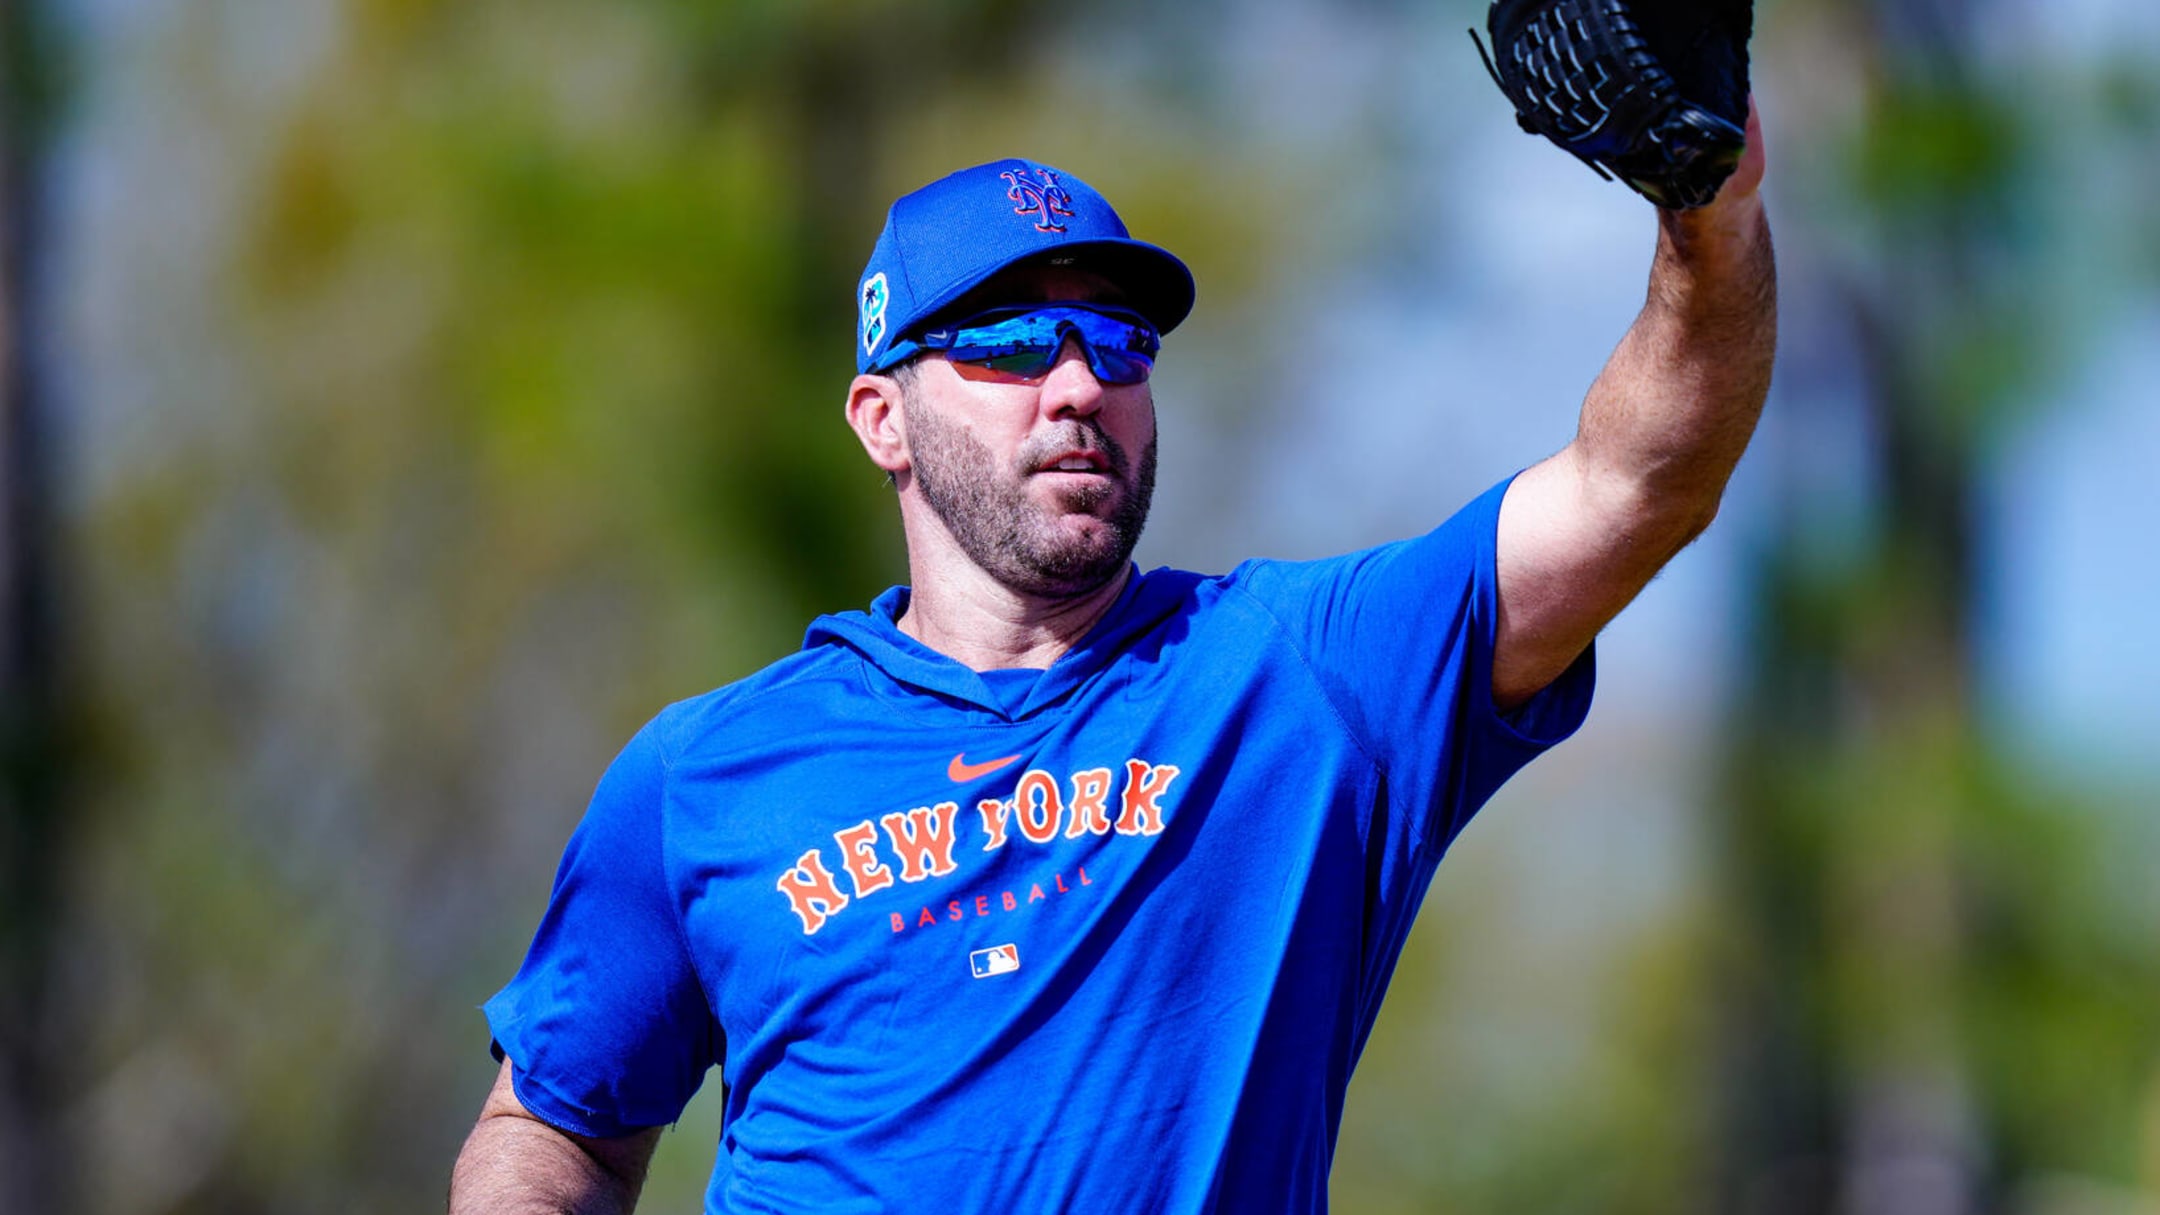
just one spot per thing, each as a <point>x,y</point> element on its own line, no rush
<point>925,919</point>
<point>811,892</point>
<point>1085,880</point>
<point>858,855</point>
<point>1145,784</point>
<point>897,922</point>
<point>1035,893</point>
<point>924,839</point>
<point>1010,901</point>
<point>952,910</point>
<point>1037,805</point>
<point>993,814</point>
<point>1060,882</point>
<point>1090,803</point>
<point>982,904</point>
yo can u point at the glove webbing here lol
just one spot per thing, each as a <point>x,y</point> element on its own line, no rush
<point>1578,99</point>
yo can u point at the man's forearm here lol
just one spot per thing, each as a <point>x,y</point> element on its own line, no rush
<point>515,1166</point>
<point>1674,407</point>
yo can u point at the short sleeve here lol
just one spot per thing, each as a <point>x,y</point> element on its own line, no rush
<point>1401,638</point>
<point>607,1027</point>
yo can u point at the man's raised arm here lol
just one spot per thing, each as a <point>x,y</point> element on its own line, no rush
<point>1661,430</point>
<point>515,1164</point>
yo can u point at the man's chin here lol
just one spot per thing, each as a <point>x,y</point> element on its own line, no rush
<point>1067,582</point>
<point>1087,540</point>
<point>1079,560</point>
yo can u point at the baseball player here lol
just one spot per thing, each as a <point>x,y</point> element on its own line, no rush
<point>1046,884</point>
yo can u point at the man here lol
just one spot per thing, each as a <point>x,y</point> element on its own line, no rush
<point>1045,884</point>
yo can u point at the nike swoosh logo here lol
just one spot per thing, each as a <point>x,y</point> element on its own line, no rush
<point>962,771</point>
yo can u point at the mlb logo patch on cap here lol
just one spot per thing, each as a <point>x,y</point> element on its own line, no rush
<point>996,960</point>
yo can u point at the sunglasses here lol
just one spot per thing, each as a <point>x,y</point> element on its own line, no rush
<point>1022,346</point>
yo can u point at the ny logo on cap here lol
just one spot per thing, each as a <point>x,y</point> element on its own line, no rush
<point>1044,199</point>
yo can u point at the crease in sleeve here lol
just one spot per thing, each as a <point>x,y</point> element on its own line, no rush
<point>607,1040</point>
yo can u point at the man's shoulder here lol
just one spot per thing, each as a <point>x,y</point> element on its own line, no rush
<point>1460,542</point>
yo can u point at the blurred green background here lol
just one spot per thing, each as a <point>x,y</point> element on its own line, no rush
<point>404,400</point>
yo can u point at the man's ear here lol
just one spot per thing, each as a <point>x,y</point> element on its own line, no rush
<point>873,411</point>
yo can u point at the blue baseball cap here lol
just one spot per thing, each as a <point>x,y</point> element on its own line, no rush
<point>949,237</point>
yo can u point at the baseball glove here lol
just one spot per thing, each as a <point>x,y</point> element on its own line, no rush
<point>1654,92</point>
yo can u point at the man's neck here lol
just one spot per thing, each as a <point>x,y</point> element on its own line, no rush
<point>987,626</point>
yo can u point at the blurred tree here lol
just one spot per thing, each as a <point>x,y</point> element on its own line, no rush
<point>1933,997</point>
<point>34,818</point>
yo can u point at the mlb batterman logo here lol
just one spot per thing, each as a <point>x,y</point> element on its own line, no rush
<point>874,298</point>
<point>996,960</point>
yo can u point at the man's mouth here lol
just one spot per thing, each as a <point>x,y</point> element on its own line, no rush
<point>1074,463</point>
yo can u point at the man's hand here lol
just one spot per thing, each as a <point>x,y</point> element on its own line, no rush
<point>1581,533</point>
<point>515,1164</point>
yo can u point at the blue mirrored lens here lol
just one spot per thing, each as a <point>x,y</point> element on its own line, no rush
<point>1120,346</point>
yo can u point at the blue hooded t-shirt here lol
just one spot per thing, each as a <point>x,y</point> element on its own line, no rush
<point>1108,936</point>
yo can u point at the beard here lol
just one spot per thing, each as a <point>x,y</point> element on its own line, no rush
<point>1065,548</point>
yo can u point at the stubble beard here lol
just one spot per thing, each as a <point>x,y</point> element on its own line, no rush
<point>1015,539</point>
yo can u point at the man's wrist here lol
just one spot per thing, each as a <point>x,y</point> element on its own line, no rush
<point>1734,216</point>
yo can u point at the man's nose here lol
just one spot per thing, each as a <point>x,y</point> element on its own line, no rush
<point>1071,386</point>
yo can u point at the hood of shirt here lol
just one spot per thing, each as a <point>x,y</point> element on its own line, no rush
<point>875,634</point>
